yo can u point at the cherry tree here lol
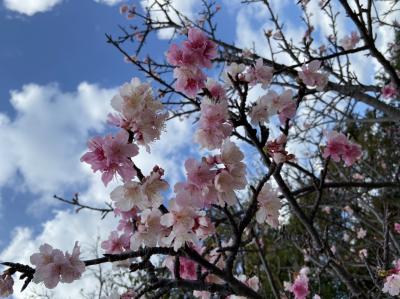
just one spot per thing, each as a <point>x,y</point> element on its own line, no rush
<point>294,193</point>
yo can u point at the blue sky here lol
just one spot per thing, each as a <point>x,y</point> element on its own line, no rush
<point>65,46</point>
<point>57,75</point>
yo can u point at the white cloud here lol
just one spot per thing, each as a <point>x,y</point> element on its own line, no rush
<point>30,7</point>
<point>185,7</point>
<point>46,137</point>
<point>59,235</point>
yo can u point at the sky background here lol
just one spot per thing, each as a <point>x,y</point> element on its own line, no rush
<point>57,76</point>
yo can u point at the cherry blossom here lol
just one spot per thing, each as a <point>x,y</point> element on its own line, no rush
<point>268,206</point>
<point>203,48</point>
<point>182,221</point>
<point>129,196</point>
<point>276,148</point>
<point>339,147</point>
<point>74,267</point>
<point>259,74</point>
<point>189,80</point>
<point>311,76</point>
<point>272,103</point>
<point>203,227</point>
<point>389,91</point>
<point>299,288</point>
<point>178,56</point>
<point>52,266</point>
<point>233,176</point>
<point>187,192</point>
<point>116,243</point>
<point>215,89</point>
<point>49,263</point>
<point>259,111</point>
<point>138,112</point>
<point>6,285</point>
<point>397,227</point>
<point>234,71</point>
<point>392,285</point>
<point>202,294</point>
<point>149,230</point>
<point>214,125</point>
<point>187,268</point>
<point>349,42</point>
<point>110,155</point>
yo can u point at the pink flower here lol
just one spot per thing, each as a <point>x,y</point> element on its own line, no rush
<point>389,91</point>
<point>271,104</point>
<point>6,285</point>
<point>177,56</point>
<point>397,227</point>
<point>203,48</point>
<point>187,268</point>
<point>182,221</point>
<point>287,109</point>
<point>352,153</point>
<point>216,90</point>
<point>259,111</point>
<point>49,263</point>
<point>233,176</point>
<point>149,231</point>
<point>214,124</point>
<point>268,206</point>
<point>74,267</point>
<point>339,147</point>
<point>259,74</point>
<point>129,196</point>
<point>192,195</point>
<point>349,42</point>
<point>311,76</point>
<point>189,80</point>
<point>110,155</point>
<point>138,112</point>
<point>52,266</point>
<point>299,288</point>
<point>199,173</point>
<point>392,285</point>
<point>202,294</point>
<point>203,227</point>
<point>116,243</point>
<point>234,71</point>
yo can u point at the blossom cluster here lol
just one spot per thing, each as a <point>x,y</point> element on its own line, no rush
<point>339,147</point>
<point>195,53</point>
<point>138,112</point>
<point>311,75</point>
<point>53,266</point>
<point>392,281</point>
<point>350,41</point>
<point>271,104</point>
<point>299,287</point>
